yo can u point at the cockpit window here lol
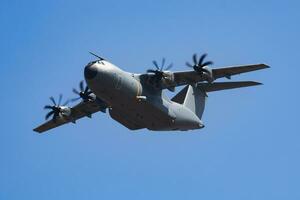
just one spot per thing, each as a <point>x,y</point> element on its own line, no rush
<point>95,61</point>
<point>100,62</point>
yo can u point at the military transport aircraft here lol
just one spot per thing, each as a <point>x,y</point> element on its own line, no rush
<point>138,101</point>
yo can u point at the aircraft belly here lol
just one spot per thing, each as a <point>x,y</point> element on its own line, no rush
<point>126,118</point>
<point>155,118</point>
<point>153,113</point>
<point>136,115</point>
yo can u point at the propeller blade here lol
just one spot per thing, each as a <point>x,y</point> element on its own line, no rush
<point>169,66</point>
<point>53,101</point>
<point>49,114</point>
<point>86,89</point>
<point>48,107</point>
<point>81,86</point>
<point>201,59</point>
<point>66,102</point>
<point>75,99</point>
<point>59,100</point>
<point>162,64</point>
<point>189,65</point>
<point>151,71</point>
<point>195,59</point>
<point>207,63</point>
<point>159,71</point>
<point>75,91</point>
<point>155,64</point>
<point>83,93</point>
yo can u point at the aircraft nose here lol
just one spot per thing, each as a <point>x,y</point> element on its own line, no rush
<point>90,71</point>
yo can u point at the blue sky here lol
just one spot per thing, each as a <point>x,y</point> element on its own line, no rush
<point>249,148</point>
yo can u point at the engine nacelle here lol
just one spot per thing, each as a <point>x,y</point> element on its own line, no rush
<point>208,74</point>
<point>168,79</point>
<point>65,111</point>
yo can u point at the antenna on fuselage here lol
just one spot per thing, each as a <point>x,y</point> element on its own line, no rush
<point>100,58</point>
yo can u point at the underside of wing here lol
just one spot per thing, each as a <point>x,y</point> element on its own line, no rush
<point>211,87</point>
<point>83,109</point>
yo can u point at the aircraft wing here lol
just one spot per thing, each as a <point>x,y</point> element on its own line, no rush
<point>83,109</point>
<point>189,77</point>
<point>234,70</point>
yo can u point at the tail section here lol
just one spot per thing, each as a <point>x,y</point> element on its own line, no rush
<point>195,100</point>
<point>193,97</point>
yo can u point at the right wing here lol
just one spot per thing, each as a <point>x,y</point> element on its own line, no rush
<point>234,70</point>
<point>83,109</point>
<point>190,77</point>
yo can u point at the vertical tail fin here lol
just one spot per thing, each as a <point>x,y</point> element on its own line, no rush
<point>195,100</point>
<point>192,97</point>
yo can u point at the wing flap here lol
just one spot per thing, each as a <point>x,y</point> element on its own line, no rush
<point>211,87</point>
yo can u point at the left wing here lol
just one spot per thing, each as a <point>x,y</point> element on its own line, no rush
<point>83,109</point>
<point>189,77</point>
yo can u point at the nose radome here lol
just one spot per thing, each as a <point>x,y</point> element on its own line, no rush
<point>90,71</point>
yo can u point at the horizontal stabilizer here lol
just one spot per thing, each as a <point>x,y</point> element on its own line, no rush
<point>211,87</point>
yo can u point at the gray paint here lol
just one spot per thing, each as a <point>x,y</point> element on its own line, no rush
<point>137,101</point>
<point>154,111</point>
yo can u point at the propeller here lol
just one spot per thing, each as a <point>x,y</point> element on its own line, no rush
<point>84,93</point>
<point>56,108</point>
<point>199,65</point>
<point>159,71</point>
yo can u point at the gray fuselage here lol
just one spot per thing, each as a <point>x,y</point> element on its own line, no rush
<point>134,103</point>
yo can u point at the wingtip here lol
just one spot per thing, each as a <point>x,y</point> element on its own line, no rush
<point>36,130</point>
<point>265,65</point>
<point>254,83</point>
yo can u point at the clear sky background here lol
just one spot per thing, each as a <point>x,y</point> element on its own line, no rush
<point>249,148</point>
